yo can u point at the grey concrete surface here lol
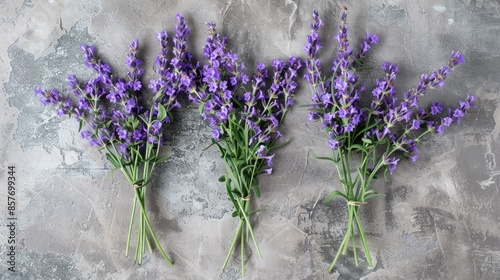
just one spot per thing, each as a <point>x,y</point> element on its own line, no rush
<point>439,218</point>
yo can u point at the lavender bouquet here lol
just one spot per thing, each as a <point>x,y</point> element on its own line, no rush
<point>115,116</point>
<point>245,116</point>
<point>368,140</point>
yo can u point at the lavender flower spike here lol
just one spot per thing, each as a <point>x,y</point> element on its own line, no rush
<point>456,59</point>
<point>313,42</point>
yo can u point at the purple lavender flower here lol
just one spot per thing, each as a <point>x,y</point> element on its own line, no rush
<point>436,108</point>
<point>49,97</point>
<point>313,42</point>
<point>216,134</point>
<point>370,39</point>
<point>458,113</point>
<point>130,105</point>
<point>415,124</point>
<point>439,129</point>
<point>64,107</point>
<point>122,134</point>
<point>446,121</point>
<point>85,134</point>
<point>456,59</point>
<point>132,61</point>
<point>92,61</point>
<point>73,83</point>
<point>156,128</point>
<point>391,162</point>
<point>312,46</point>
<point>334,144</point>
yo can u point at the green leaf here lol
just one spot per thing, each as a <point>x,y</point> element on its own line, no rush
<point>256,211</point>
<point>230,194</point>
<point>332,195</point>
<point>162,158</point>
<point>347,184</point>
<point>243,170</point>
<point>80,126</point>
<point>371,194</point>
<point>135,123</point>
<point>127,163</point>
<point>321,158</point>
<point>228,187</point>
<point>256,190</point>
<point>381,142</point>
<point>148,181</point>
<point>222,178</point>
<point>151,158</point>
<point>159,93</point>
<point>112,159</point>
<point>306,105</point>
<point>367,141</point>
<point>280,145</point>
<point>358,147</point>
<point>237,193</point>
<point>235,214</point>
<point>142,118</point>
<point>318,110</point>
<point>221,149</point>
<point>237,102</point>
<point>366,129</point>
<point>162,113</point>
<point>341,137</point>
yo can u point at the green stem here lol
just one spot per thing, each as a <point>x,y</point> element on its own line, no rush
<point>142,227</point>
<point>142,232</point>
<point>157,243</point>
<point>130,226</point>
<point>242,245</point>
<point>354,246</point>
<point>337,255</point>
<point>138,257</point>
<point>146,239</point>
<point>363,240</point>
<point>252,177</point>
<point>243,212</point>
<point>349,229</point>
<point>372,174</point>
<point>233,244</point>
<point>344,169</point>
<point>340,175</point>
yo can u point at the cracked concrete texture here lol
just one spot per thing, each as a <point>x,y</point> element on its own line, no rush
<point>439,218</point>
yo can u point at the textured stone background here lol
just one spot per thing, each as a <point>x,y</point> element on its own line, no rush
<point>439,218</point>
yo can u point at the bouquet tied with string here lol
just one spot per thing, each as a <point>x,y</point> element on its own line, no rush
<point>245,114</point>
<point>368,140</point>
<point>119,117</point>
